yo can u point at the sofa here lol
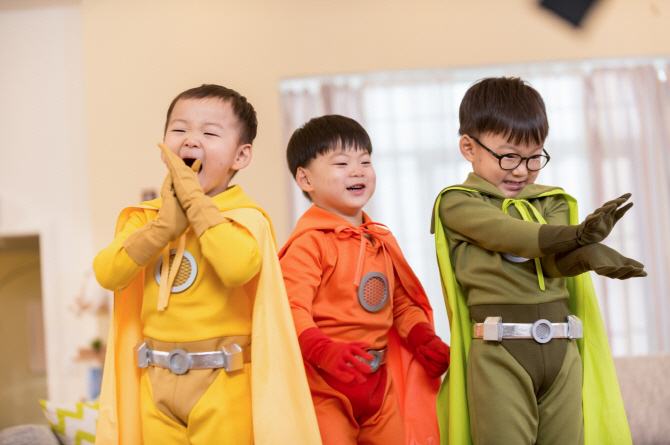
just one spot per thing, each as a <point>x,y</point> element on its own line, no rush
<point>28,435</point>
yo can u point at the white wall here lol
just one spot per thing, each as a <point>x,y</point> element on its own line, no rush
<point>43,172</point>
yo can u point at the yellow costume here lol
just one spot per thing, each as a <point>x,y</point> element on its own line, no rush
<point>237,291</point>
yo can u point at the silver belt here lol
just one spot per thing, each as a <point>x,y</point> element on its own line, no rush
<point>379,358</point>
<point>493,329</point>
<point>231,357</point>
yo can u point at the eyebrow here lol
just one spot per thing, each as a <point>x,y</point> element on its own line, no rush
<point>183,121</point>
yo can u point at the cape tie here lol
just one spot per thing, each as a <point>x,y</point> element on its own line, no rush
<point>376,231</point>
<point>168,278</point>
<point>522,206</point>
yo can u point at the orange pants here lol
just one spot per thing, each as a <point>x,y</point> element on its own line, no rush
<point>350,414</point>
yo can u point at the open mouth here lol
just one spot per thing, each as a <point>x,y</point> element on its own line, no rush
<point>356,187</point>
<point>190,162</point>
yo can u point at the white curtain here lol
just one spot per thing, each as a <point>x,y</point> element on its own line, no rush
<point>609,127</point>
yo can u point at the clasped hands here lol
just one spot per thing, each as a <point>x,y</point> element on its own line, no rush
<point>184,203</point>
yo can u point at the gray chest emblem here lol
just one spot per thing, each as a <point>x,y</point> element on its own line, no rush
<point>514,258</point>
<point>373,292</point>
<point>188,270</point>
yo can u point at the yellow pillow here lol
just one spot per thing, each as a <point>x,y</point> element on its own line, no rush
<point>73,423</point>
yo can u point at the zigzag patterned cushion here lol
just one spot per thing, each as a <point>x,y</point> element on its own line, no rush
<point>74,423</point>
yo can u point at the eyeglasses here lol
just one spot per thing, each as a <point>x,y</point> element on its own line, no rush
<point>513,160</point>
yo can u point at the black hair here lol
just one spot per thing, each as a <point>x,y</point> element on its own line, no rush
<point>321,135</point>
<point>243,110</point>
<point>505,106</point>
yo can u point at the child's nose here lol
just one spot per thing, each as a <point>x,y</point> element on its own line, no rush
<point>520,169</point>
<point>191,140</point>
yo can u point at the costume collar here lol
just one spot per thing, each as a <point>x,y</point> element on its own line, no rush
<point>232,198</point>
<point>480,184</point>
<point>316,218</point>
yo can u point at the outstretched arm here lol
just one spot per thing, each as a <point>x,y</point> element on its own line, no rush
<point>597,257</point>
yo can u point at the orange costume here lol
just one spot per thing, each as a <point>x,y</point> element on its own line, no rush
<point>324,262</point>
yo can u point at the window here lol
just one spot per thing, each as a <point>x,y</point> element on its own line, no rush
<point>609,121</point>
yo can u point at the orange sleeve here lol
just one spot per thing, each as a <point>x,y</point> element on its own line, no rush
<point>405,312</point>
<point>301,268</point>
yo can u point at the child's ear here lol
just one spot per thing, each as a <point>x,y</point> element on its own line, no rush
<point>302,179</point>
<point>243,157</point>
<point>466,145</point>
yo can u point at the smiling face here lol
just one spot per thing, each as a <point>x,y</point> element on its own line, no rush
<point>486,166</point>
<point>208,129</point>
<point>341,181</point>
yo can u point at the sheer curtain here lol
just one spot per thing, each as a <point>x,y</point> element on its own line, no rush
<point>609,127</point>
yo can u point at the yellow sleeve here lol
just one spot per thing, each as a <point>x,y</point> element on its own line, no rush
<point>233,253</point>
<point>113,267</point>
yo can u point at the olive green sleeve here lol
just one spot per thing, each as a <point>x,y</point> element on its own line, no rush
<point>477,221</point>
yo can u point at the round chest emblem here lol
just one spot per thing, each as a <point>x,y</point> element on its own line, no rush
<point>373,292</point>
<point>188,270</point>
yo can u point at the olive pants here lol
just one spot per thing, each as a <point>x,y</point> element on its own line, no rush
<point>503,405</point>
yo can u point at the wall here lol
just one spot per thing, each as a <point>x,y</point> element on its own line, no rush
<point>139,54</point>
<point>43,173</point>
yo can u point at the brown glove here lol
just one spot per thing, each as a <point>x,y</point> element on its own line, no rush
<point>200,210</point>
<point>148,241</point>
<point>595,228</point>
<point>600,259</point>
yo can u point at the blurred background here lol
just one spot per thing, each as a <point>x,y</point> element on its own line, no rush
<point>85,85</point>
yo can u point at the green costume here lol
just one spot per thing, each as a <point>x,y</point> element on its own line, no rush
<point>483,276</point>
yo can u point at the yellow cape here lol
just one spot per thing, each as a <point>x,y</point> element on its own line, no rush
<point>282,406</point>
<point>604,416</point>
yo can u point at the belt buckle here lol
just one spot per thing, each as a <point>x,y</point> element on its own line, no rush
<point>179,361</point>
<point>542,331</point>
<point>375,363</point>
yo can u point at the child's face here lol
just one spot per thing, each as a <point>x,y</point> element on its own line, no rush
<point>341,181</point>
<point>487,166</point>
<point>207,129</point>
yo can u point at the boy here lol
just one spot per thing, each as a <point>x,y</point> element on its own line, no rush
<point>195,324</point>
<point>512,244</point>
<point>364,323</point>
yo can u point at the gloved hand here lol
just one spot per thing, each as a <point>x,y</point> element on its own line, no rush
<point>600,259</point>
<point>171,222</point>
<point>338,359</point>
<point>429,349</point>
<point>594,229</point>
<point>201,211</point>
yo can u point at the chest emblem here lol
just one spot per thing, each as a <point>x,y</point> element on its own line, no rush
<point>188,270</point>
<point>373,292</point>
<point>515,258</point>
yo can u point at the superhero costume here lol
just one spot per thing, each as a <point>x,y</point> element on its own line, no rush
<point>323,262</point>
<point>603,413</point>
<point>277,381</point>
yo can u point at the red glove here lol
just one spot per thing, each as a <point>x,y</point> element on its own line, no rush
<point>335,357</point>
<point>429,349</point>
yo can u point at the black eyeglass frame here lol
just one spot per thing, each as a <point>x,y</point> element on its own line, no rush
<point>500,157</point>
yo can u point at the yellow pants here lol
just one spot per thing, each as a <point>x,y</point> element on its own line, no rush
<point>200,407</point>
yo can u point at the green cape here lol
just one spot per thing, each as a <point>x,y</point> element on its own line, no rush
<point>604,416</point>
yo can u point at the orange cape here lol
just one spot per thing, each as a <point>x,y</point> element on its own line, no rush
<point>417,393</point>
